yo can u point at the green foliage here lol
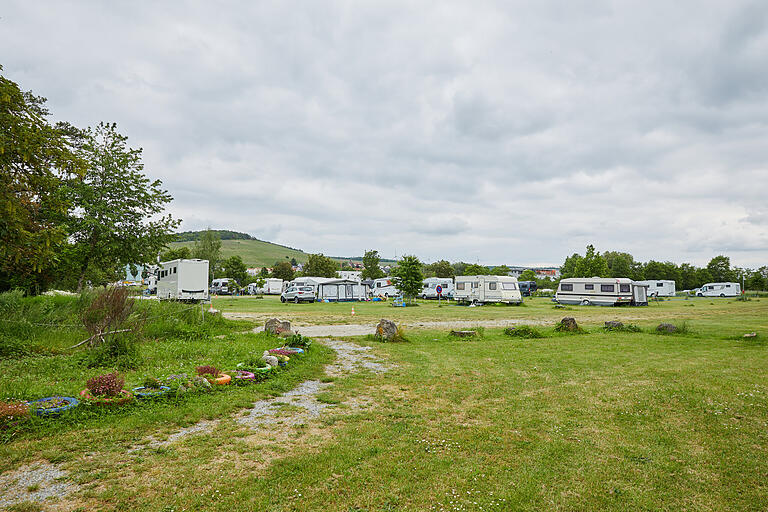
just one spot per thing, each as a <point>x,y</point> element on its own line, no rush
<point>622,328</point>
<point>619,263</point>
<point>527,275</point>
<point>223,234</point>
<point>440,268</point>
<point>523,331</point>
<point>176,253</point>
<point>371,269</point>
<point>283,270</point>
<point>476,270</point>
<point>593,264</point>
<point>233,267</point>
<point>208,248</point>
<point>719,269</point>
<point>151,383</point>
<point>407,276</point>
<point>320,266</point>
<point>109,384</point>
<point>299,341</point>
<point>35,160</point>
<point>503,270</point>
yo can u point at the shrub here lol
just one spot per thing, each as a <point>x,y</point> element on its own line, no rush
<point>206,370</point>
<point>297,340</point>
<point>12,347</point>
<point>523,331</point>
<point>253,361</point>
<point>151,383</point>
<point>400,336</point>
<point>11,411</point>
<point>111,334</point>
<point>110,384</point>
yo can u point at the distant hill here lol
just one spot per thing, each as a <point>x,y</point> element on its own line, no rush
<point>254,252</point>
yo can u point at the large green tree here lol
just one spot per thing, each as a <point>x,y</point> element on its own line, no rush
<point>593,264</point>
<point>283,270</point>
<point>35,158</point>
<point>176,253</point>
<point>208,247</point>
<point>720,269</point>
<point>569,266</point>
<point>234,268</point>
<point>117,216</point>
<point>320,266</point>
<point>371,268</point>
<point>619,263</point>
<point>527,275</point>
<point>474,269</point>
<point>408,277</point>
<point>441,268</point>
<point>501,270</point>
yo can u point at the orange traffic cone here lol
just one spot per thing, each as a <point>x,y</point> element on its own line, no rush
<point>353,310</point>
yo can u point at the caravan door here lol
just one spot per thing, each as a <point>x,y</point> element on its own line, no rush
<point>640,295</point>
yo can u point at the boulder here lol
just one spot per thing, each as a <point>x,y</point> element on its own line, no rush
<point>666,328</point>
<point>613,324</point>
<point>270,360</point>
<point>277,326</point>
<point>386,330</point>
<point>285,334</point>
<point>568,324</point>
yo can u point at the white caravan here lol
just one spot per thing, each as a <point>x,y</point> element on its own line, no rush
<point>430,287</point>
<point>601,291</point>
<point>314,282</point>
<point>183,280</point>
<point>659,288</point>
<point>384,287</point>
<point>271,286</point>
<point>487,289</point>
<point>719,290</point>
<point>341,290</point>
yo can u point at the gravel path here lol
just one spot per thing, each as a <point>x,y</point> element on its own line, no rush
<point>34,482</point>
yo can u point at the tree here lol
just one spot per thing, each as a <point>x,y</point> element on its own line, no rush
<point>208,248</point>
<point>474,269</point>
<point>114,220</point>
<point>176,253</point>
<point>687,277</point>
<point>294,262</point>
<point>441,269</point>
<point>619,263</point>
<point>407,277</point>
<point>35,159</point>
<point>233,267</point>
<point>459,268</point>
<point>283,270</point>
<point>264,272</point>
<point>527,275</point>
<point>720,269</point>
<point>569,266</point>
<point>371,269</point>
<point>592,264</point>
<point>502,270</point>
<point>320,266</point>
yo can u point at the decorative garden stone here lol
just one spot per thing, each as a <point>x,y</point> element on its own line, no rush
<point>386,330</point>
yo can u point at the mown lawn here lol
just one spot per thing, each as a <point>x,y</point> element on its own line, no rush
<point>593,421</point>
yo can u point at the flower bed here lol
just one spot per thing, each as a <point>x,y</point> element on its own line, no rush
<point>282,352</point>
<point>143,392</point>
<point>53,405</point>
<point>123,397</point>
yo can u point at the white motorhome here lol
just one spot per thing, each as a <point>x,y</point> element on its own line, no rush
<point>314,282</point>
<point>271,286</point>
<point>384,287</point>
<point>341,290</point>
<point>224,286</point>
<point>183,280</point>
<point>487,289</point>
<point>659,287</point>
<point>430,287</point>
<point>719,290</point>
<point>601,291</point>
<point>351,275</point>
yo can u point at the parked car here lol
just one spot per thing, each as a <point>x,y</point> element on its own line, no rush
<point>298,294</point>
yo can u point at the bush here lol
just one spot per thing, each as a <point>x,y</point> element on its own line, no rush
<point>112,335</point>
<point>110,384</point>
<point>299,341</point>
<point>12,347</point>
<point>151,383</point>
<point>119,351</point>
<point>621,328</point>
<point>523,331</point>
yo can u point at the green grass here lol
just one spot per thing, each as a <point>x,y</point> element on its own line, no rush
<point>593,421</point>
<point>255,253</point>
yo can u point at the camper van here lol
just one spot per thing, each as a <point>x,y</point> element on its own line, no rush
<point>487,289</point>
<point>183,280</point>
<point>601,291</point>
<point>527,287</point>
<point>383,287</point>
<point>224,286</point>
<point>430,287</point>
<point>660,287</point>
<point>719,290</point>
<point>271,286</point>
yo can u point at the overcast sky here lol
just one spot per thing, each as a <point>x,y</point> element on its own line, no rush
<point>499,132</point>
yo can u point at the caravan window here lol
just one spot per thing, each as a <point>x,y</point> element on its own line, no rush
<point>727,286</point>
<point>589,287</point>
<point>475,285</point>
<point>566,287</point>
<point>659,285</point>
<point>508,286</point>
<point>491,286</point>
<point>624,288</point>
<point>459,286</point>
<point>174,270</point>
<point>606,288</point>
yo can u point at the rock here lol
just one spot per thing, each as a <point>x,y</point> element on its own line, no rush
<point>614,324</point>
<point>568,324</point>
<point>464,334</point>
<point>285,334</point>
<point>276,326</point>
<point>386,330</point>
<point>666,328</point>
<point>270,360</point>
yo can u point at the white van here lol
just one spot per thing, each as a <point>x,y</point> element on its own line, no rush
<point>183,280</point>
<point>430,287</point>
<point>271,286</point>
<point>223,286</point>
<point>660,287</point>
<point>383,287</point>
<point>487,289</point>
<point>719,290</point>
<point>601,291</point>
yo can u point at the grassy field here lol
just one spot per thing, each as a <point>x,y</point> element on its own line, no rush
<point>591,421</point>
<point>255,253</point>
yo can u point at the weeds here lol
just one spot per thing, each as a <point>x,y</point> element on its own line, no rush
<point>523,331</point>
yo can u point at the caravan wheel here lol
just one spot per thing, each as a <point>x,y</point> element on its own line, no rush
<point>424,297</point>
<point>585,302</point>
<point>722,295</point>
